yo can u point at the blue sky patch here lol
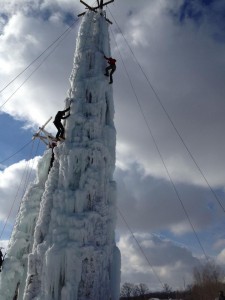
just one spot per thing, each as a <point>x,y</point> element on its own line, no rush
<point>12,138</point>
<point>188,11</point>
<point>203,11</point>
<point>69,19</point>
<point>4,17</point>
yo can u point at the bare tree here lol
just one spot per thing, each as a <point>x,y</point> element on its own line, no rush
<point>207,281</point>
<point>167,288</point>
<point>127,290</point>
<point>141,290</point>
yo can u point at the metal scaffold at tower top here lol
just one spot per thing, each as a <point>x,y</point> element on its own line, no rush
<point>100,6</point>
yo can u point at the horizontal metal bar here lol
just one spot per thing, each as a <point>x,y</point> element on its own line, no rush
<point>108,2</point>
<point>82,14</point>
<point>88,6</point>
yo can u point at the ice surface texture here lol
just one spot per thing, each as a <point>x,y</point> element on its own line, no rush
<point>63,245</point>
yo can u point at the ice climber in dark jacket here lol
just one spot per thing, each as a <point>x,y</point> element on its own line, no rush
<point>57,122</point>
<point>1,259</point>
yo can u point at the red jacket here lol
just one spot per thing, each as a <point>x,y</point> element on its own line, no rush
<point>111,60</point>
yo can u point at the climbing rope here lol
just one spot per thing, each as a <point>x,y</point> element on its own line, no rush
<point>160,154</point>
<point>141,249</point>
<point>29,170</point>
<point>170,119</point>
<point>56,46</point>
<point>28,176</point>
<point>24,146</point>
<point>57,42</point>
<point>39,56</point>
<point>25,178</point>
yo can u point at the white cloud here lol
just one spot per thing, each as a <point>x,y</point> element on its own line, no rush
<point>45,92</point>
<point>152,204</point>
<point>221,258</point>
<point>13,182</point>
<point>179,61</point>
<point>172,263</point>
<point>4,245</point>
<point>219,244</point>
<point>33,6</point>
<point>185,66</point>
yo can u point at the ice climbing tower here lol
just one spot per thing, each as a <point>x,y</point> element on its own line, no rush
<point>63,245</point>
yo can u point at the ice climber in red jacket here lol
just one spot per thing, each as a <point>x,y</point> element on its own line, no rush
<point>112,67</point>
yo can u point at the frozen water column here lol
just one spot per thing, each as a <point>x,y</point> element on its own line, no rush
<point>74,255</point>
<point>95,134</point>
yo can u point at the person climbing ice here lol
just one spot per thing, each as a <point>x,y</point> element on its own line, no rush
<point>1,259</point>
<point>57,122</point>
<point>111,67</point>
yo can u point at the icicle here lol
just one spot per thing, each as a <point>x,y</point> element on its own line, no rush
<point>72,253</point>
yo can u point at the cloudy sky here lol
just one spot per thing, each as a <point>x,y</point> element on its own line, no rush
<point>169,115</point>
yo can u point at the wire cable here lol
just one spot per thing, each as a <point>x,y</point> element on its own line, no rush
<point>40,64</point>
<point>170,119</point>
<point>160,154</point>
<point>26,182</point>
<point>16,195</point>
<point>55,41</point>
<point>16,152</point>
<point>28,177</point>
<point>142,251</point>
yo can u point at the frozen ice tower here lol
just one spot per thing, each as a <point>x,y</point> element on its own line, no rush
<point>63,243</point>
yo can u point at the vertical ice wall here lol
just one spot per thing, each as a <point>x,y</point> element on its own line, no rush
<point>13,276</point>
<point>74,254</point>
